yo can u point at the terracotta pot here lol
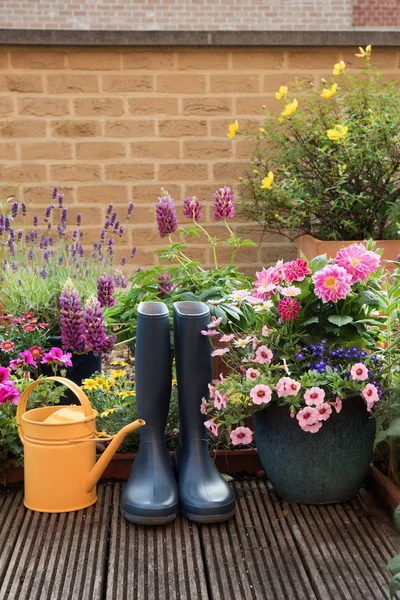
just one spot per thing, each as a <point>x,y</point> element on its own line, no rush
<point>312,247</point>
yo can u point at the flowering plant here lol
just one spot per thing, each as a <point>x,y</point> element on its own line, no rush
<point>312,347</point>
<point>328,165</point>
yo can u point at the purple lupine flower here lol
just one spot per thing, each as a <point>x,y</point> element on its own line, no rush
<point>164,286</point>
<point>166,214</point>
<point>55,192</point>
<point>71,319</point>
<point>14,209</point>
<point>192,208</point>
<point>35,221</point>
<point>105,290</point>
<point>223,205</point>
<point>131,206</point>
<point>79,219</point>
<point>96,338</point>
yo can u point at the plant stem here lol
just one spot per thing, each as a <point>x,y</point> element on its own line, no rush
<point>210,240</point>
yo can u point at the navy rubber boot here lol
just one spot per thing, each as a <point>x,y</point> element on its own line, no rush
<point>150,496</point>
<point>205,496</point>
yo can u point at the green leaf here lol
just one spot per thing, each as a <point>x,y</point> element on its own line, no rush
<point>340,320</point>
<point>394,585</point>
<point>311,320</point>
<point>318,263</point>
<point>394,564</point>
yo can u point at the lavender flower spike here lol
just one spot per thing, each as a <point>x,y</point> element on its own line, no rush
<point>96,337</point>
<point>105,290</point>
<point>166,214</point>
<point>192,208</point>
<point>71,319</point>
<point>223,205</point>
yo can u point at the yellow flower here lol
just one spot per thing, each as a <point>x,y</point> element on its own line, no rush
<point>119,363</point>
<point>174,382</point>
<point>100,434</point>
<point>290,108</point>
<point>117,373</point>
<point>339,68</point>
<point>266,183</point>
<point>281,92</point>
<point>339,132</point>
<point>261,130</point>
<point>233,128</point>
<point>107,412</point>
<point>89,384</point>
<point>364,53</point>
<point>109,385</point>
<point>100,381</point>
<point>127,394</point>
<point>256,172</point>
<point>329,93</point>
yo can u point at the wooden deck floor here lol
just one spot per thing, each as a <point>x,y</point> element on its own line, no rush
<point>271,550</point>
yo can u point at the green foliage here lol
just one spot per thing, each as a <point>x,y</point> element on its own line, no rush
<point>345,188</point>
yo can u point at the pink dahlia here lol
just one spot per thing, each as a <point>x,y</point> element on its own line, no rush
<point>324,411</point>
<point>7,346</point>
<point>263,355</point>
<point>358,261</point>
<point>332,283</point>
<point>338,404</point>
<point>267,281</point>
<point>296,270</point>
<point>286,386</point>
<point>241,435</point>
<point>261,394</point>
<point>211,426</point>
<point>314,396</point>
<point>359,372</point>
<point>288,308</point>
<point>252,374</point>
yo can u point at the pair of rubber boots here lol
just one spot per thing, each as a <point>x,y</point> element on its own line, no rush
<point>152,496</point>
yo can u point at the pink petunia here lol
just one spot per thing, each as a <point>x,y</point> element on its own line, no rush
<point>371,395</point>
<point>338,404</point>
<point>252,374</point>
<point>314,396</point>
<point>359,372</point>
<point>332,283</point>
<point>211,389</point>
<point>227,337</point>
<point>265,331</point>
<point>7,346</point>
<point>219,351</point>
<point>261,394</point>
<point>209,332</point>
<point>4,375</point>
<point>307,416</point>
<point>15,364</point>
<point>56,355</point>
<point>219,400</point>
<point>241,435</point>
<point>313,427</point>
<point>9,393</point>
<point>324,411</point>
<point>214,322</point>
<point>296,270</point>
<point>286,386</point>
<point>358,261</point>
<point>288,308</point>
<point>28,358</point>
<point>203,406</point>
<point>263,355</point>
<point>211,426</point>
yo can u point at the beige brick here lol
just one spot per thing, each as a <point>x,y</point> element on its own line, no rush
<point>270,254</point>
<point>152,60</point>
<point>88,107</point>
<point>21,173</point>
<point>244,148</point>
<point>203,190</point>
<point>158,149</point>
<point>42,195</point>
<point>248,255</point>
<point>129,128</point>
<point>200,253</point>
<point>153,106</point>
<point>43,107</point>
<point>8,151</point>
<point>142,214</point>
<point>229,171</point>
<point>182,172</point>
<point>147,193</point>
<point>37,59</point>
<point>146,236</point>
<point>252,105</point>
<point>72,84</point>
<point>21,83</point>
<point>234,83</point>
<point>6,106</point>
<point>181,84</point>
<point>144,258</point>
<point>91,215</point>
<point>219,127</point>
<point>97,60</point>
<point>129,171</point>
<point>103,194</point>
<point>312,58</point>
<point>3,60</point>
<point>272,82</point>
<point>22,128</point>
<point>128,83</point>
<point>75,129</point>
<point>204,150</point>
<point>46,150</point>
<point>182,127</point>
<point>207,106</point>
<point>100,150</point>
<point>197,60</point>
<point>252,60</point>
<point>75,172</point>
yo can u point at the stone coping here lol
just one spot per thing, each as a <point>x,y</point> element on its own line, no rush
<point>59,37</point>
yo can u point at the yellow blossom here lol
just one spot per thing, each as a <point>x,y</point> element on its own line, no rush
<point>89,384</point>
<point>100,434</point>
<point>329,93</point>
<point>266,183</point>
<point>233,128</point>
<point>261,130</point>
<point>107,412</point>
<point>109,385</point>
<point>127,394</point>
<point>100,381</point>
<point>174,382</point>
<point>364,53</point>
<point>339,68</point>
<point>281,92</point>
<point>256,172</point>
<point>290,108</point>
<point>117,373</point>
<point>339,132</point>
<point>119,363</point>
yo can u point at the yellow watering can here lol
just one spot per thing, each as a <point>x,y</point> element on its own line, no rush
<point>61,471</point>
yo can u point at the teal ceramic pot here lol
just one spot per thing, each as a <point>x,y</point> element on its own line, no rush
<point>316,468</point>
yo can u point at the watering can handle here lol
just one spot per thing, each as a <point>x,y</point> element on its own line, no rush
<point>80,394</point>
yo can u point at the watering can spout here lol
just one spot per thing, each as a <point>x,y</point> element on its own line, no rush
<point>107,455</point>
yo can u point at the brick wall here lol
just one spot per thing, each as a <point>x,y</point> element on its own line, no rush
<point>376,13</point>
<point>111,125</point>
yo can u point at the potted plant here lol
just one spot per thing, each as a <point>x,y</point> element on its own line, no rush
<point>326,169</point>
<point>310,374</point>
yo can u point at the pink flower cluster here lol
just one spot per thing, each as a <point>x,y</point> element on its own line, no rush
<point>9,394</point>
<point>358,262</point>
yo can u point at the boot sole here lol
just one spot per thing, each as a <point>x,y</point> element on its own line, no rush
<point>207,518</point>
<point>148,520</point>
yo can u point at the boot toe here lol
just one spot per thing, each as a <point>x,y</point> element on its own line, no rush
<point>212,502</point>
<point>153,507</point>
